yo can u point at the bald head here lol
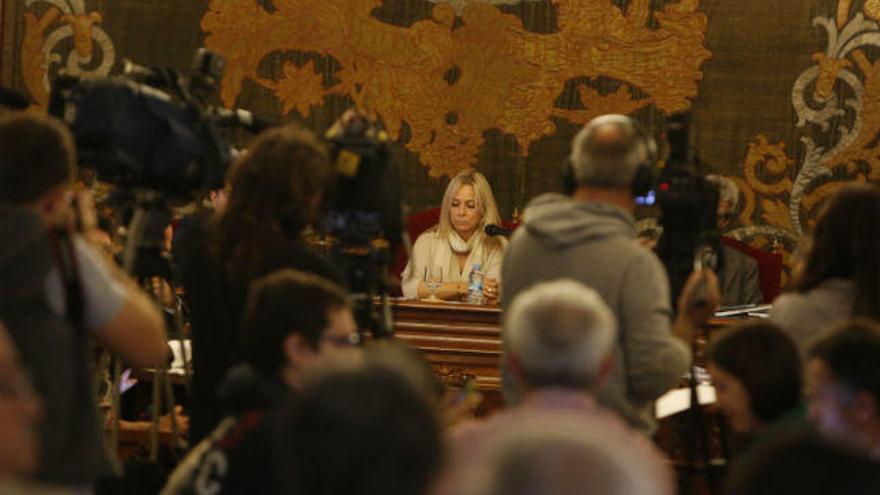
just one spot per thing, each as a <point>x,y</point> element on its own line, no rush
<point>607,152</point>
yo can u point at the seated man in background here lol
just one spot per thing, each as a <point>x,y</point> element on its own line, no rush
<point>560,341</point>
<point>740,283</point>
<point>57,292</point>
<point>19,415</point>
<point>843,376</point>
<point>293,321</point>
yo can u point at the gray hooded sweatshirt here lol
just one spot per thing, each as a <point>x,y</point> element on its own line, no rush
<point>595,243</point>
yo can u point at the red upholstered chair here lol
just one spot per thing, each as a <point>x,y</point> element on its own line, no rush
<point>415,225</point>
<point>769,267</point>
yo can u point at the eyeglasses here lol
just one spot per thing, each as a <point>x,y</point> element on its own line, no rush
<point>348,340</point>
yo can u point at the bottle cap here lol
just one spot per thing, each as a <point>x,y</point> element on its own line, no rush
<point>477,267</point>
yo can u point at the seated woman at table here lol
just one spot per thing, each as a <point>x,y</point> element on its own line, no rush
<point>457,242</point>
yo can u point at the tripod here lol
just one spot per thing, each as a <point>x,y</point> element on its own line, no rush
<point>145,260</point>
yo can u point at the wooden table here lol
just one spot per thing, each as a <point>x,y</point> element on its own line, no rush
<point>461,340</point>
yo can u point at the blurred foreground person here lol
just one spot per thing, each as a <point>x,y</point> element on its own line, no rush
<point>840,275</point>
<point>559,454</point>
<point>561,335</point>
<point>756,371</point>
<point>293,322</point>
<point>58,292</point>
<point>843,376</point>
<point>19,414</point>
<point>368,429</point>
<point>802,463</point>
<point>275,191</point>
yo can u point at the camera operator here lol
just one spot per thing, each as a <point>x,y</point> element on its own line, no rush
<point>276,188</point>
<point>591,238</point>
<point>57,292</point>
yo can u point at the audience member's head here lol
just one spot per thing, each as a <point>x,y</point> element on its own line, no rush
<point>607,152</point>
<point>363,430</point>
<point>559,334</point>
<point>19,414</point>
<point>846,244</point>
<point>293,321</point>
<point>276,188</point>
<point>37,165</point>
<point>561,454</point>
<point>408,362</point>
<point>843,374</point>
<point>803,463</point>
<point>756,370</point>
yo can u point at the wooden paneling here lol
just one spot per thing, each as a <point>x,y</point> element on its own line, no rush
<point>461,341</point>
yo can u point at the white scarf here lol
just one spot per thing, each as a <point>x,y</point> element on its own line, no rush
<point>459,246</point>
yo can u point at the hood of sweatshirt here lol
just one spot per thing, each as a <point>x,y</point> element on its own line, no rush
<point>559,221</point>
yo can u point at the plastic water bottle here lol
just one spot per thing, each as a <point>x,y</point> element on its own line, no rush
<point>475,285</point>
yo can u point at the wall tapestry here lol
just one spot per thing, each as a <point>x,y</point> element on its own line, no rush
<point>839,98</point>
<point>44,40</point>
<point>450,79</point>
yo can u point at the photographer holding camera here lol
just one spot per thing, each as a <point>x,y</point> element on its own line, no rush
<point>57,293</point>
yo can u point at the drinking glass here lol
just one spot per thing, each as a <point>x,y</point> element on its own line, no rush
<point>433,280</point>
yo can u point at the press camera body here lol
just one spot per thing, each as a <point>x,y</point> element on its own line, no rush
<point>363,219</point>
<point>688,211</point>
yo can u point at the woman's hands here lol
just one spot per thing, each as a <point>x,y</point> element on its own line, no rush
<point>490,291</point>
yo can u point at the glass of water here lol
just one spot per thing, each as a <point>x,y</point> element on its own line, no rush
<point>433,280</point>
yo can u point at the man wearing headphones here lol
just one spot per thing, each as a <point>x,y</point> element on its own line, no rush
<point>590,237</point>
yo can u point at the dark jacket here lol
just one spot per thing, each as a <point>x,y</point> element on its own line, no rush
<point>243,454</point>
<point>216,302</point>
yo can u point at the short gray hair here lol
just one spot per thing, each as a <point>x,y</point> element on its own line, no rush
<point>564,454</point>
<point>560,333</point>
<point>608,162</point>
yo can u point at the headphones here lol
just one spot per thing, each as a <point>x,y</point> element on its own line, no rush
<point>645,176</point>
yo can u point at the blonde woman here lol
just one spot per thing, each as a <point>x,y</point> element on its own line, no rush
<point>457,242</point>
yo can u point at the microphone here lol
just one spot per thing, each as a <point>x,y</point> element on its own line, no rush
<point>492,229</point>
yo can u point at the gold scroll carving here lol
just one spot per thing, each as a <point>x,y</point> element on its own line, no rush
<point>842,88</point>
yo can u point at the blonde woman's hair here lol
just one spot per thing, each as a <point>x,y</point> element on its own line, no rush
<point>485,200</point>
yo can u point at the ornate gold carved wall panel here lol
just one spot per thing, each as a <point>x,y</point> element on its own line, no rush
<point>50,27</point>
<point>837,101</point>
<point>784,93</point>
<point>451,79</point>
